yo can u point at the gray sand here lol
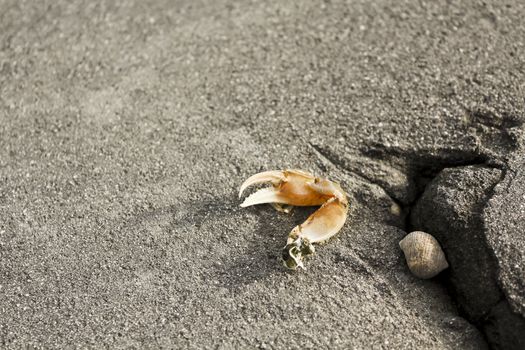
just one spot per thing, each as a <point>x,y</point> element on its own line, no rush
<point>126,130</point>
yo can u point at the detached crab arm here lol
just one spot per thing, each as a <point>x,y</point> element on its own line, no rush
<point>299,188</point>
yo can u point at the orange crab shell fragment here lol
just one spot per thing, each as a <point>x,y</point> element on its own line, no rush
<point>323,223</point>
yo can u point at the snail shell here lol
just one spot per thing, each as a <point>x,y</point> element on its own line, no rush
<point>424,255</point>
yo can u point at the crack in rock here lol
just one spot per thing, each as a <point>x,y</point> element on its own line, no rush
<point>391,181</point>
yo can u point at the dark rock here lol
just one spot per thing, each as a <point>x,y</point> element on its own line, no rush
<point>504,219</point>
<point>452,210</point>
<point>505,229</point>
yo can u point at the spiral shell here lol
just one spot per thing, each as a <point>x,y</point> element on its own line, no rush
<point>423,254</point>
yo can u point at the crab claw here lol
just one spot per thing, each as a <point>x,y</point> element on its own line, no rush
<point>292,187</point>
<point>299,188</point>
<point>274,177</point>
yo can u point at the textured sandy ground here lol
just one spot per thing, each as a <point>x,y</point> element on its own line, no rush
<point>127,127</point>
